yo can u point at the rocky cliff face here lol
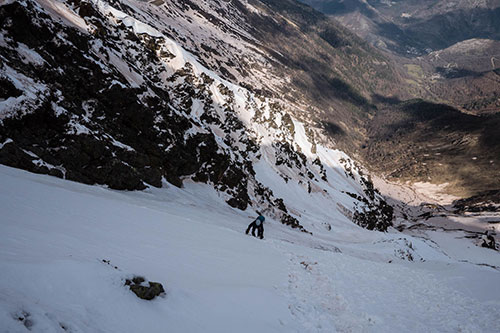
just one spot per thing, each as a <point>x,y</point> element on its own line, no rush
<point>104,93</point>
<point>326,74</point>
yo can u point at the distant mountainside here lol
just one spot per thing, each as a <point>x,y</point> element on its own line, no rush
<point>447,53</point>
<point>422,141</point>
<point>411,27</point>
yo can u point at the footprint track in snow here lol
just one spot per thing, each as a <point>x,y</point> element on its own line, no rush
<point>315,303</point>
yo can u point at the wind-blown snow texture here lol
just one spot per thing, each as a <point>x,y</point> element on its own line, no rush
<point>54,235</point>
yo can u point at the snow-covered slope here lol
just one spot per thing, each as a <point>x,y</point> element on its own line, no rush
<point>100,92</point>
<point>60,242</point>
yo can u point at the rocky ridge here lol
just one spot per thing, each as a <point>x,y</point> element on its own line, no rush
<point>93,94</point>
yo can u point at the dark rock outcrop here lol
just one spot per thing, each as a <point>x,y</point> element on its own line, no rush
<point>147,292</point>
<point>90,122</point>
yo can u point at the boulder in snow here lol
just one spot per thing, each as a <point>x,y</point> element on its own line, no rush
<point>147,292</point>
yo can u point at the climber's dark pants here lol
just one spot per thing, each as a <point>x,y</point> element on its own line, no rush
<point>260,229</point>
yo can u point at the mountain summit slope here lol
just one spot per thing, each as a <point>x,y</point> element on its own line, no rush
<point>108,99</point>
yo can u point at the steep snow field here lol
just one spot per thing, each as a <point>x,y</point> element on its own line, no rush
<point>55,234</point>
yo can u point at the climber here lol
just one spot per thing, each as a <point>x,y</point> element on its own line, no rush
<point>258,224</point>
